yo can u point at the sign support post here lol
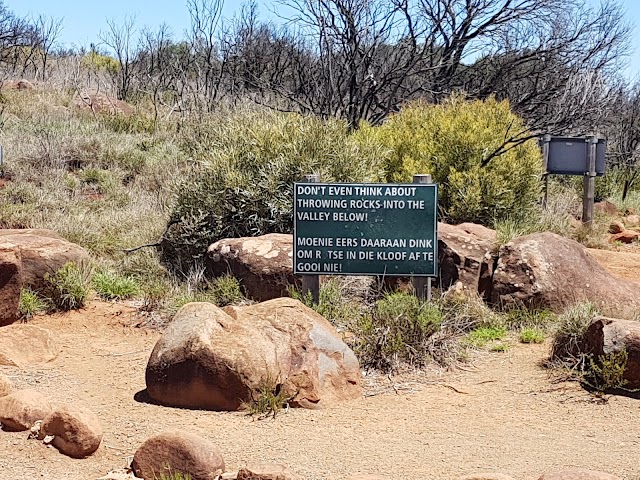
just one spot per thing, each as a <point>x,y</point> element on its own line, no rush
<point>422,284</point>
<point>545,158</point>
<point>311,283</point>
<point>589,182</point>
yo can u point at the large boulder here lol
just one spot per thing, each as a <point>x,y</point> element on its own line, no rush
<point>10,284</point>
<point>177,451</point>
<point>578,474</point>
<point>22,345</point>
<point>264,265</point>
<point>214,359</point>
<point>464,256</point>
<point>21,409</point>
<point>41,251</point>
<point>610,335</point>
<point>77,431</point>
<point>549,271</point>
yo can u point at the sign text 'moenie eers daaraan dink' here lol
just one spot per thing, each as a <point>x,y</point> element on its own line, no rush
<point>365,229</point>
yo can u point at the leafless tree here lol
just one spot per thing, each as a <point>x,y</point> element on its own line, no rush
<point>204,41</point>
<point>120,38</point>
<point>48,30</point>
<point>623,134</point>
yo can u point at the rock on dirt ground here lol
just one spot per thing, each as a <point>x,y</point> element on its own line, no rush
<point>177,451</point>
<point>20,410</point>
<point>549,271</point>
<point>611,335</point>
<point>215,359</point>
<point>264,264</point>
<point>77,430</point>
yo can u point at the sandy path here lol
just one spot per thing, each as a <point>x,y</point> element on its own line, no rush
<point>510,418</point>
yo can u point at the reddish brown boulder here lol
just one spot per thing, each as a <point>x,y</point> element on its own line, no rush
<point>267,472</point>
<point>626,236</point>
<point>214,359</point>
<point>41,252</point>
<point>549,271</point>
<point>465,257</point>
<point>632,220</point>
<point>22,345</point>
<point>464,253</point>
<point>611,335</point>
<point>606,208</point>
<point>616,227</point>
<point>77,431</point>
<point>10,284</point>
<point>21,409</point>
<point>177,451</point>
<point>578,474</point>
<point>98,102</point>
<point>263,264</point>
<point>6,387</point>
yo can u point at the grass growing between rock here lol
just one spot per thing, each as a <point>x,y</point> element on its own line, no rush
<point>30,304</point>
<point>69,287</point>
<point>268,402</point>
<point>111,286</point>
<point>532,335</point>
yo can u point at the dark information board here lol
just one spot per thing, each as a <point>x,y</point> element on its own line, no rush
<point>570,156</point>
<point>365,229</point>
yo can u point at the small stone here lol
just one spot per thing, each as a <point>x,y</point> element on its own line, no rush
<point>578,474</point>
<point>616,227</point>
<point>267,472</point>
<point>486,476</point>
<point>77,431</point>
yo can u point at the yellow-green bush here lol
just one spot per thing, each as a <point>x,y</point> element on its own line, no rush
<point>450,141</point>
<point>247,163</point>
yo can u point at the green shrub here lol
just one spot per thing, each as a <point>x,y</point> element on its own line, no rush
<point>483,335</point>
<point>397,332</point>
<point>221,291</point>
<point>450,141</point>
<point>243,182</point>
<point>568,345</point>
<point>607,372</point>
<point>111,286</point>
<point>332,305</point>
<point>69,287</point>
<point>225,290</point>
<point>30,304</point>
<point>531,335</point>
<point>520,318</point>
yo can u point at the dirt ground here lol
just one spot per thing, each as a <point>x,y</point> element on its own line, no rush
<point>502,413</point>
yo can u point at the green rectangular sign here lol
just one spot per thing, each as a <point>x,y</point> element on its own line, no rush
<point>365,229</point>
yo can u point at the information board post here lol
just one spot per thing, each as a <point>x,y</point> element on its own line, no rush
<point>422,284</point>
<point>545,158</point>
<point>311,283</point>
<point>589,182</point>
